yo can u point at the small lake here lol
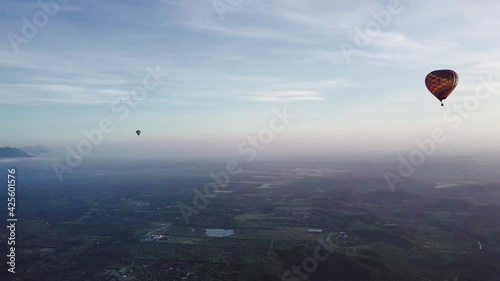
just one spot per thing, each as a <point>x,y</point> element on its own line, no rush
<point>212,232</point>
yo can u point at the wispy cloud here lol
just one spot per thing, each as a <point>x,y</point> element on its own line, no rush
<point>57,94</point>
<point>286,96</point>
<point>247,32</point>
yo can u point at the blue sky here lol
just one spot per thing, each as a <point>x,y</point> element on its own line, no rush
<point>224,77</point>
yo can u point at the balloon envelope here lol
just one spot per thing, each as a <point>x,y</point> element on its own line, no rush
<point>441,83</point>
<point>138,132</point>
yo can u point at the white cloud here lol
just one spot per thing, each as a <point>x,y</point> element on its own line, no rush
<point>286,96</point>
<point>247,32</point>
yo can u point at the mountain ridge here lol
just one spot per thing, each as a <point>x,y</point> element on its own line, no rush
<point>12,152</point>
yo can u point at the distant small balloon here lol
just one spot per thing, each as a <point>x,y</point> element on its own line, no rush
<point>138,132</point>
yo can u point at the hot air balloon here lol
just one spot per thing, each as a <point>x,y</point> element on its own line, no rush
<point>138,132</point>
<point>441,83</point>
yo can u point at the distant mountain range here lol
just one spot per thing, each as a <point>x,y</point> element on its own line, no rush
<point>11,152</point>
<point>36,150</point>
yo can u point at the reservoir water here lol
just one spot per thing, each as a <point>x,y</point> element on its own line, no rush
<point>212,232</point>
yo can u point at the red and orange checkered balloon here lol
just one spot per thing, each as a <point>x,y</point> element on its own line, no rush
<point>441,83</point>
